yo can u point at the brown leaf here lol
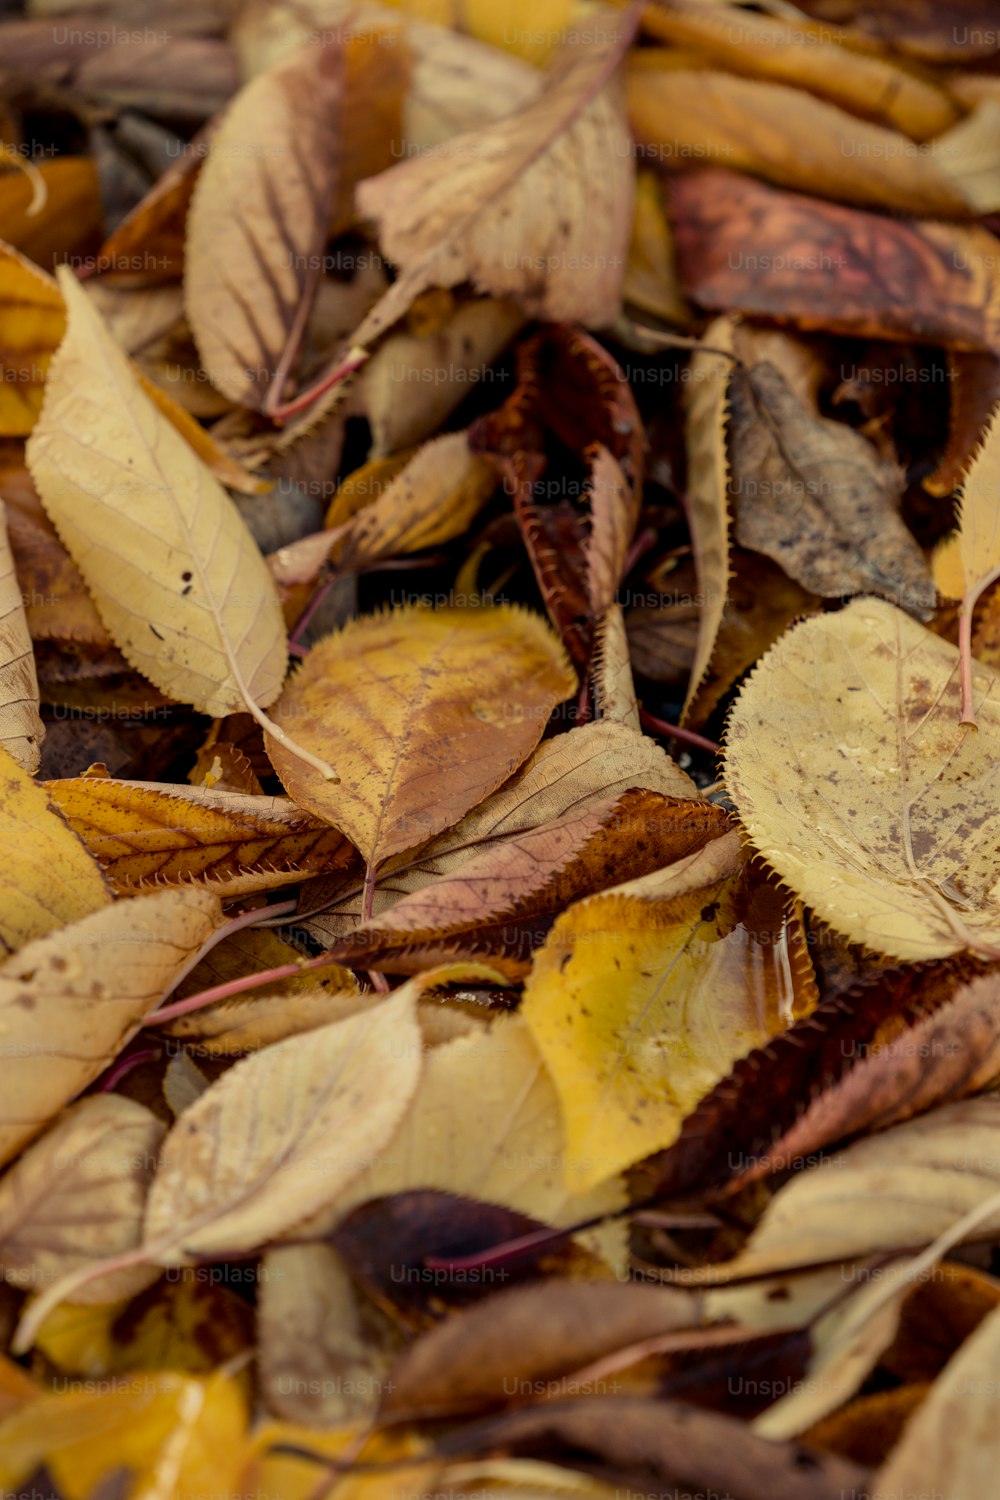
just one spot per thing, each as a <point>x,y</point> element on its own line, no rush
<point>817,497</point>
<point>921,280</point>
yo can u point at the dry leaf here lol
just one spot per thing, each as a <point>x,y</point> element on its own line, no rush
<point>71,1000</point>
<point>323,1104</point>
<point>566,776</point>
<point>818,498</point>
<point>485,1124</point>
<point>21,727</point>
<point>978,545</point>
<point>208,628</point>
<point>152,834</point>
<point>425,712</point>
<point>640,1003</point>
<point>51,879</point>
<point>78,1195</point>
<point>468,210</point>
<point>885,815</point>
<point>32,323</point>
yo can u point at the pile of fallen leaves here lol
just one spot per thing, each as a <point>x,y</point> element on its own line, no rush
<point>542,1044</point>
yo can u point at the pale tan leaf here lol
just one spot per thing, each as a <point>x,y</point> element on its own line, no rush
<point>322,1106</point>
<point>614,510</point>
<point>78,1195</point>
<point>71,1000</point>
<point>425,712</point>
<point>183,1083</point>
<point>50,877</point>
<point>21,727</point>
<point>537,206</point>
<point>864,792</point>
<point>485,1124</point>
<point>979,514</point>
<point>614,690</point>
<point>174,572</point>
<point>261,211</point>
<point>951,1445</point>
<point>707,488</point>
<point>898,1190</point>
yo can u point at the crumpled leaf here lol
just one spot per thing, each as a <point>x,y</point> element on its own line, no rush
<point>21,727</point>
<point>424,712</point>
<point>78,1195</point>
<point>885,814</point>
<point>640,1003</point>
<point>468,210</point>
<point>181,587</point>
<point>32,323</point>
<point>323,1105</point>
<point>51,878</point>
<point>71,1000</point>
<point>818,498</point>
<point>152,834</point>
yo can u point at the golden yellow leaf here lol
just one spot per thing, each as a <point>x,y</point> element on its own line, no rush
<point>71,1000</point>
<point>176,576</point>
<point>32,323</point>
<point>147,834</point>
<point>192,1323</point>
<point>79,1194</point>
<point>640,1006</point>
<point>811,55</point>
<point>798,141</point>
<point>21,727</point>
<point>707,489</point>
<point>182,1438</point>
<point>50,877</point>
<point>486,1124</point>
<point>855,780</point>
<point>531,29</point>
<point>651,281</point>
<point>425,712</point>
<point>322,1105</point>
<point>537,206</point>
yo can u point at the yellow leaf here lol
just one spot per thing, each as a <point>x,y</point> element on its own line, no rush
<point>32,323</point>
<point>863,791</point>
<point>531,29</point>
<point>181,1438</point>
<point>69,1001</point>
<point>147,834</point>
<point>176,576</point>
<point>50,877</point>
<point>651,281</point>
<point>486,1124</point>
<point>424,712</point>
<point>189,1322</point>
<point>322,1105</point>
<point>78,1195</point>
<point>640,1006</point>
<point>21,727</point>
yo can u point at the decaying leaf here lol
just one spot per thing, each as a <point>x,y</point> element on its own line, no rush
<point>884,816</point>
<point>21,728</point>
<point>978,546</point>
